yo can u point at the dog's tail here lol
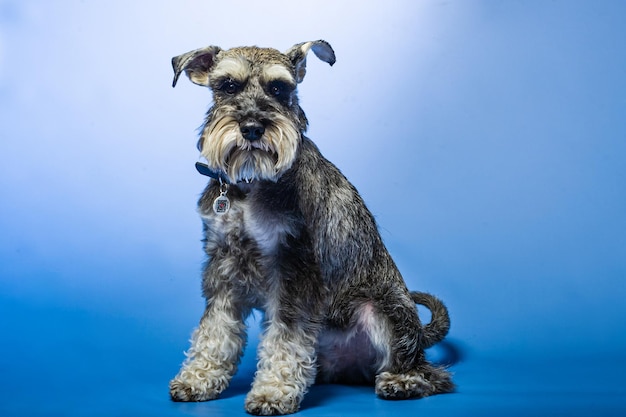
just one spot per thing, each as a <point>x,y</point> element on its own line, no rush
<point>439,325</point>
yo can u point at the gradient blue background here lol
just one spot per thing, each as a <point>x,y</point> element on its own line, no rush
<point>488,138</point>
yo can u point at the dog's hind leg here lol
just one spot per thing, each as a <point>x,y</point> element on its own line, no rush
<point>405,373</point>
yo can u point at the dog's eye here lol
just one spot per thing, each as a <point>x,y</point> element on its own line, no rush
<point>229,87</point>
<point>278,89</point>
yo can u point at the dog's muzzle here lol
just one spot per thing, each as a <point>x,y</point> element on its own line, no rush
<point>251,129</point>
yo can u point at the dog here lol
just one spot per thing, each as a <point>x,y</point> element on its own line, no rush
<point>286,233</point>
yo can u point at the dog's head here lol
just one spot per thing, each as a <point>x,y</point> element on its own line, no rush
<point>253,129</point>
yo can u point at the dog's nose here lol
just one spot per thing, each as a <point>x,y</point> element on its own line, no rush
<point>251,129</point>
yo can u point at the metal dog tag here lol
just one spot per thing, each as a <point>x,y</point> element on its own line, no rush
<point>221,204</point>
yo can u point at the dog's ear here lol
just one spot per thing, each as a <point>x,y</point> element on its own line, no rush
<point>196,64</point>
<point>297,55</point>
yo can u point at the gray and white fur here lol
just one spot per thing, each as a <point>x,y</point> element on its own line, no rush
<point>296,242</point>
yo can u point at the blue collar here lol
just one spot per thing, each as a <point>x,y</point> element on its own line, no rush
<point>217,175</point>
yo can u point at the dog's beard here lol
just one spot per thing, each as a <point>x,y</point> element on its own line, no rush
<point>225,149</point>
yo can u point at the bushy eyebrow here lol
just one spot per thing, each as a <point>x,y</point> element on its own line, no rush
<point>276,72</point>
<point>236,68</point>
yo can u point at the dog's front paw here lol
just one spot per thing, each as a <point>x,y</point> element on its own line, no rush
<point>192,390</point>
<point>402,386</point>
<point>271,401</point>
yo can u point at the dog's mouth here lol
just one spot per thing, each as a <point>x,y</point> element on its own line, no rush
<point>260,144</point>
<point>252,160</point>
<point>253,150</point>
<point>265,157</point>
<point>252,153</point>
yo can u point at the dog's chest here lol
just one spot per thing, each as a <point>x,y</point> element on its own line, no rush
<point>267,229</point>
<point>249,223</point>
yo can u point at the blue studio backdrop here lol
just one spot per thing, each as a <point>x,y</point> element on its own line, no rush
<point>487,137</point>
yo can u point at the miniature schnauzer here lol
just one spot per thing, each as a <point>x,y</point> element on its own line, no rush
<point>286,233</point>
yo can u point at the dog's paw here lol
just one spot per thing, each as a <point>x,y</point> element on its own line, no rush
<point>402,386</point>
<point>414,384</point>
<point>197,390</point>
<point>271,401</point>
